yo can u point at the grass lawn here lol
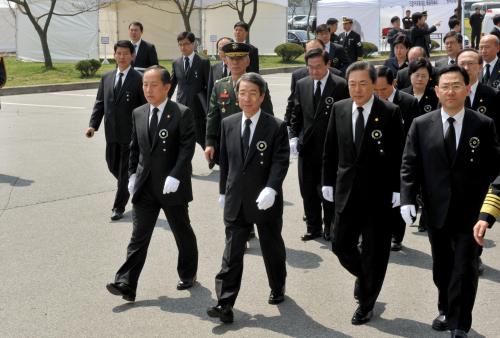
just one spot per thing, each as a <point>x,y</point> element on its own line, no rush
<point>21,73</point>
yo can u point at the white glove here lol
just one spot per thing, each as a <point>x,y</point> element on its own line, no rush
<point>222,201</point>
<point>327,192</point>
<point>131,183</point>
<point>171,185</point>
<point>266,198</point>
<point>293,146</point>
<point>396,200</point>
<point>408,212</point>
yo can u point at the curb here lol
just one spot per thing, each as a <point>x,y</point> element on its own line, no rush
<point>92,85</point>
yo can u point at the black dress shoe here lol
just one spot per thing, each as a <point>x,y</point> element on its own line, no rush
<point>422,228</point>
<point>116,215</point>
<point>276,297</point>
<point>304,218</point>
<point>121,289</point>
<point>396,246</point>
<point>440,323</point>
<point>310,236</point>
<point>186,284</point>
<point>361,317</point>
<point>458,334</point>
<point>223,312</point>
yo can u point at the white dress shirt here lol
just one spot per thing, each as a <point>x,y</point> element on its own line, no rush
<point>161,108</point>
<point>323,83</point>
<point>254,120</point>
<point>327,47</point>
<point>117,75</point>
<point>472,93</point>
<point>136,46</point>
<point>492,65</point>
<point>391,97</point>
<point>367,107</point>
<point>459,120</point>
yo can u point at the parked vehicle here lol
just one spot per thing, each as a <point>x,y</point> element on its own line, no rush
<point>303,24</point>
<point>488,20</point>
<point>299,37</point>
<point>484,6</point>
<point>292,20</point>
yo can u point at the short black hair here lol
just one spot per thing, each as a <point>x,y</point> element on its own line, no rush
<point>186,35</point>
<point>223,38</point>
<point>362,65</point>
<point>387,73</point>
<point>453,34</point>
<point>416,16</point>
<point>394,19</point>
<point>479,57</point>
<point>322,28</point>
<point>164,74</point>
<point>401,39</point>
<point>125,44</point>
<point>136,23</point>
<point>419,63</point>
<point>243,25</point>
<point>496,19</point>
<point>454,69</point>
<point>316,52</point>
<point>254,78</point>
<point>453,22</point>
<point>332,21</point>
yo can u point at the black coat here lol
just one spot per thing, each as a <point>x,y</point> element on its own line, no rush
<point>309,125</point>
<point>476,21</point>
<point>338,58</point>
<point>441,63</point>
<point>486,101</point>
<point>428,102</point>
<point>393,64</point>
<point>375,170</point>
<point>409,108</point>
<point>167,156</point>
<point>190,84</point>
<point>146,55</point>
<point>266,165</point>
<point>117,111</point>
<point>419,37</point>
<point>254,60</point>
<point>461,185</point>
<point>352,45</point>
<point>494,80</point>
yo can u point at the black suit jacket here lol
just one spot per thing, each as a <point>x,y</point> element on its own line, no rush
<point>393,64</point>
<point>338,58</point>
<point>375,170</point>
<point>486,101</point>
<point>459,186</point>
<point>441,63</point>
<point>117,110</point>
<point>428,102</point>
<point>403,78</point>
<point>169,154</point>
<point>190,84</point>
<point>409,107</point>
<point>309,125</point>
<point>296,76</point>
<point>352,45</point>
<point>494,80</point>
<point>419,37</point>
<point>146,55</point>
<point>254,59</point>
<point>266,165</point>
<point>216,73</point>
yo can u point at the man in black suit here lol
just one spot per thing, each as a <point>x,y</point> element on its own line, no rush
<point>301,73</point>
<point>451,155</point>
<point>254,161</point>
<point>241,30</point>
<point>313,101</point>
<point>453,45</point>
<point>336,53</point>
<point>120,92</point>
<point>332,24</point>
<point>408,104</point>
<point>419,33</point>
<point>162,146</point>
<point>496,30</point>
<point>476,23</point>
<point>190,76</point>
<point>145,52</point>
<point>482,98</point>
<point>407,22</point>
<point>489,47</point>
<point>351,41</point>
<point>220,69</point>
<point>361,161</point>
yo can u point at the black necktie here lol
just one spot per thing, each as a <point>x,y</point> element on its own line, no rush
<point>153,125</point>
<point>452,62</point>
<point>359,129</point>
<point>450,140</point>
<point>317,95</point>
<point>186,64</point>
<point>246,137</point>
<point>486,76</point>
<point>224,72</point>
<point>118,86</point>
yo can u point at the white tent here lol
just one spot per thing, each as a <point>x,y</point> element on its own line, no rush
<point>8,29</point>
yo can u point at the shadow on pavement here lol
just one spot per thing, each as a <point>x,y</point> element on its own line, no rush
<point>15,181</point>
<point>411,257</point>
<point>212,177</point>
<point>293,321</point>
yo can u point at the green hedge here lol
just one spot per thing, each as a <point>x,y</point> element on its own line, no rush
<point>289,51</point>
<point>88,68</point>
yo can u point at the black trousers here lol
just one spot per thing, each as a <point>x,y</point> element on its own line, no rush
<point>145,214</point>
<point>117,155</point>
<point>455,272</point>
<point>312,198</point>
<point>398,225</point>
<point>228,280</point>
<point>475,36</point>
<point>369,264</point>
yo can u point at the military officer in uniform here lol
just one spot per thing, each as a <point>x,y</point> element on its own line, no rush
<point>254,159</point>
<point>351,41</point>
<point>162,146</point>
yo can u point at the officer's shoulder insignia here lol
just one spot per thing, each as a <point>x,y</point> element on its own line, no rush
<point>261,145</point>
<point>482,109</point>
<point>163,133</point>
<point>474,142</point>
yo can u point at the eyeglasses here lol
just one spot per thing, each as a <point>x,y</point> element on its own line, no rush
<point>453,87</point>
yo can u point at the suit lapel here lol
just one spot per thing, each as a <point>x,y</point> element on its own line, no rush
<point>436,133</point>
<point>164,121</point>
<point>371,123</point>
<point>465,135</point>
<point>309,96</point>
<point>347,123</point>
<point>144,125</point>
<point>326,92</point>
<point>124,85</point>
<point>258,135</point>
<point>111,84</point>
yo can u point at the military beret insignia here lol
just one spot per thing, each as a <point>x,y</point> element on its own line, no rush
<point>427,108</point>
<point>474,142</point>
<point>329,100</point>
<point>261,145</point>
<point>376,134</point>
<point>481,109</point>
<point>163,133</point>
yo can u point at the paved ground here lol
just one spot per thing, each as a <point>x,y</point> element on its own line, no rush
<point>59,249</point>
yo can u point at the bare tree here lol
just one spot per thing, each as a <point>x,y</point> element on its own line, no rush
<point>311,5</point>
<point>41,21</point>
<point>185,9</point>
